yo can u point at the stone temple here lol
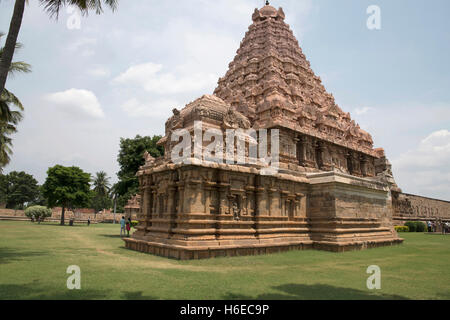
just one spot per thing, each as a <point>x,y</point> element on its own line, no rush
<point>333,190</point>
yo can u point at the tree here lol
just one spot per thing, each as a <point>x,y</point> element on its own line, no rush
<point>101,183</point>
<point>67,187</point>
<point>9,118</point>
<point>131,158</point>
<point>100,194</point>
<point>52,7</point>
<point>19,188</point>
<point>98,202</point>
<point>40,199</point>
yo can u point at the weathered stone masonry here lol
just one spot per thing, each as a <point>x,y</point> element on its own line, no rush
<point>333,190</point>
<point>408,207</point>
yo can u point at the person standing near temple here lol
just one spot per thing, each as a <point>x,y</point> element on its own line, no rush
<point>122,226</point>
<point>89,221</point>
<point>128,227</point>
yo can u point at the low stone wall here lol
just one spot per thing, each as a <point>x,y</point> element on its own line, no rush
<point>409,207</point>
<point>12,213</point>
<point>8,214</point>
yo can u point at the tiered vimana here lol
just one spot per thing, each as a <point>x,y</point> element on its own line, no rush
<point>332,190</point>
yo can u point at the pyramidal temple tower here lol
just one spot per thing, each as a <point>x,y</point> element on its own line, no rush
<point>332,191</point>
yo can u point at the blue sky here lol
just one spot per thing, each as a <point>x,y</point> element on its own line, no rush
<point>122,73</point>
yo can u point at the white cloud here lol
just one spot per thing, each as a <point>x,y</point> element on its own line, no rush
<point>159,108</point>
<point>363,110</point>
<point>99,72</point>
<point>83,46</point>
<point>425,170</point>
<point>77,102</point>
<point>151,78</point>
<point>439,138</point>
<point>432,152</point>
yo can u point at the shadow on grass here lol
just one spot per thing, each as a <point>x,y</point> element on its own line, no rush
<point>444,295</point>
<point>115,236</point>
<point>8,255</point>
<point>34,291</point>
<point>136,295</point>
<point>315,292</point>
<point>56,224</point>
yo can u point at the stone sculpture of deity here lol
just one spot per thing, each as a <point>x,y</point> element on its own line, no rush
<point>236,210</point>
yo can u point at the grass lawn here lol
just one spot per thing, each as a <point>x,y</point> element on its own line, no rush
<point>34,259</point>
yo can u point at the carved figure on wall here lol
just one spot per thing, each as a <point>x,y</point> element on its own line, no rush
<point>236,209</point>
<point>230,120</point>
<point>177,121</point>
<point>149,160</point>
<point>202,111</point>
<point>234,120</point>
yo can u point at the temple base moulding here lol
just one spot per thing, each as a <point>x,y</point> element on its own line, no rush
<point>196,253</point>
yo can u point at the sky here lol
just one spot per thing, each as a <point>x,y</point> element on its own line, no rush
<point>98,78</point>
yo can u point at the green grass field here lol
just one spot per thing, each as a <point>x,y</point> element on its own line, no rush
<point>34,259</point>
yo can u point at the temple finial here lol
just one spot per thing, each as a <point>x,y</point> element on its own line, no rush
<point>267,3</point>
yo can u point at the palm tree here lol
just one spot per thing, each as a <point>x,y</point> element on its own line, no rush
<point>113,195</point>
<point>52,7</point>
<point>9,118</point>
<point>102,184</point>
<point>101,189</point>
<point>6,129</point>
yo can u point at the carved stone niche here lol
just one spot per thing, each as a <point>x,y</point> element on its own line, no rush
<point>235,206</point>
<point>320,150</point>
<point>363,164</point>
<point>300,148</point>
<point>349,158</point>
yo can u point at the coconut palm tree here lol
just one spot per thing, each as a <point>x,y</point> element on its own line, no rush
<point>102,184</point>
<point>52,7</point>
<point>6,129</point>
<point>100,199</point>
<point>9,117</point>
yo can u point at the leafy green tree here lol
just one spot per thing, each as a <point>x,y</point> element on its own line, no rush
<point>52,7</point>
<point>38,213</point>
<point>98,202</point>
<point>131,158</point>
<point>18,188</point>
<point>40,199</point>
<point>67,187</point>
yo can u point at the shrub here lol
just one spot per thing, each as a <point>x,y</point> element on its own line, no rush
<point>38,213</point>
<point>401,228</point>
<point>416,226</point>
<point>134,223</point>
<point>411,225</point>
<point>420,227</point>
